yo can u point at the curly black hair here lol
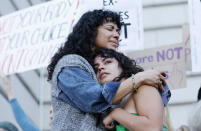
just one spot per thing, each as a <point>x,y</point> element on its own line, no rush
<point>82,39</point>
<point>128,65</point>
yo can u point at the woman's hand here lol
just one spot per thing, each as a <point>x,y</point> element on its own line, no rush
<point>153,78</point>
<point>109,122</point>
<point>7,84</point>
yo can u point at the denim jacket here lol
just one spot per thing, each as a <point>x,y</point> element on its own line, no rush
<point>81,91</point>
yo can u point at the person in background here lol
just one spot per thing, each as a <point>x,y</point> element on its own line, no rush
<point>142,110</point>
<point>7,126</point>
<point>195,117</point>
<point>194,120</point>
<point>183,128</point>
<point>20,116</point>
<point>76,95</point>
<point>199,94</point>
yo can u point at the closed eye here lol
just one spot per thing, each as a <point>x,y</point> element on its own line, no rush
<point>109,28</point>
<point>107,61</point>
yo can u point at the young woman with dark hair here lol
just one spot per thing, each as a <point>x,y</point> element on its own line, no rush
<point>75,92</point>
<point>142,110</point>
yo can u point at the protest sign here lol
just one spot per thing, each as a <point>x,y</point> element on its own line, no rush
<point>195,31</point>
<point>186,41</point>
<point>169,59</point>
<point>30,37</point>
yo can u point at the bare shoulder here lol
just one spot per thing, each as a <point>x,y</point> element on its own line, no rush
<point>147,88</point>
<point>147,92</point>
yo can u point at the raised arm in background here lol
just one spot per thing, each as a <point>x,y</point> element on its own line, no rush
<point>20,116</point>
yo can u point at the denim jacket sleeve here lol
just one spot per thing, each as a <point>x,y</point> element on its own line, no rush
<point>81,91</point>
<point>165,95</point>
<point>21,117</point>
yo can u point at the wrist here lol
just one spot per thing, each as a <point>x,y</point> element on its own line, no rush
<point>12,99</point>
<point>138,80</point>
<point>115,111</point>
<point>10,96</point>
<point>134,85</point>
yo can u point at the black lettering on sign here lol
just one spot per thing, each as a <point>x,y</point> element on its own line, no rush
<point>109,2</point>
<point>123,15</point>
<point>125,25</point>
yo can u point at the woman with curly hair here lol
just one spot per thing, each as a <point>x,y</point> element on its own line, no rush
<point>140,111</point>
<point>76,95</point>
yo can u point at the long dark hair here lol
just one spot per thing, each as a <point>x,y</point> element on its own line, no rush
<point>82,39</point>
<point>128,65</point>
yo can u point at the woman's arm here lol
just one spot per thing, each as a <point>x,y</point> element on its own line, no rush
<point>21,117</point>
<point>152,78</point>
<point>7,84</point>
<point>149,107</point>
<point>18,112</point>
<point>81,91</point>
